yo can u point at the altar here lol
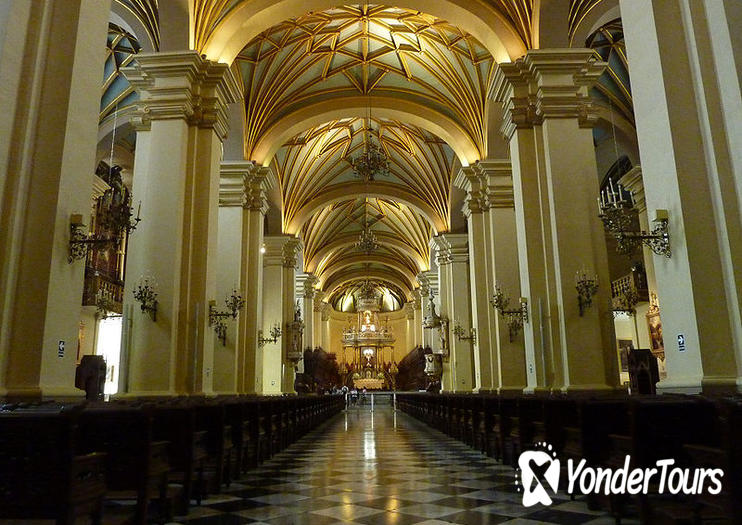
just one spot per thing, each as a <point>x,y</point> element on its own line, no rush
<point>369,383</point>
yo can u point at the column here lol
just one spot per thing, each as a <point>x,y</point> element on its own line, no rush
<point>689,143</point>
<point>325,317</point>
<point>409,311</point>
<point>547,118</point>
<point>181,121</point>
<point>418,321</point>
<point>228,277</point>
<point>308,292</point>
<point>452,257</point>
<point>50,80</point>
<point>317,304</point>
<point>279,275</point>
<point>254,183</point>
<point>476,211</point>
<point>508,356</point>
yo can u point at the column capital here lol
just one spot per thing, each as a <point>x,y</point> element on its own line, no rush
<point>428,283</point>
<point>182,85</point>
<point>476,198</point>
<point>281,250</point>
<point>307,282</point>
<point>244,183</point>
<point>547,83</point>
<point>326,309</point>
<point>416,297</point>
<point>497,179</point>
<point>317,301</point>
<point>632,180</point>
<point>451,248</point>
<point>409,310</point>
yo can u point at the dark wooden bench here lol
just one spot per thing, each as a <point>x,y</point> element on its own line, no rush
<point>135,462</point>
<point>41,477</point>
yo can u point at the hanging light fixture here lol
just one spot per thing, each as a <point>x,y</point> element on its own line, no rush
<point>373,161</point>
<point>367,241</point>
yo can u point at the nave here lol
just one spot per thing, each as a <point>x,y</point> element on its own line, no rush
<point>381,467</point>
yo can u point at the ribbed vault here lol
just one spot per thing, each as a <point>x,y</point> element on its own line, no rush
<point>365,50</point>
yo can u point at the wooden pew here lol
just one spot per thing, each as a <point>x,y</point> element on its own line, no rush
<point>41,477</point>
<point>135,463</point>
<point>176,423</point>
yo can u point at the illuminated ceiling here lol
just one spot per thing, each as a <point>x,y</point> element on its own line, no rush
<point>345,300</point>
<point>361,50</point>
<point>613,87</point>
<point>327,205</point>
<point>121,49</point>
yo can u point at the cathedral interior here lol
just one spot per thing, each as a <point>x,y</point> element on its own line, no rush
<point>286,262</point>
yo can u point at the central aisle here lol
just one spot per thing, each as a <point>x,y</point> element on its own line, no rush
<point>380,467</point>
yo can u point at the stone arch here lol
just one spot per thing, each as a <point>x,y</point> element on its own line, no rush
<point>351,238</point>
<point>338,279</point>
<point>377,189</point>
<point>309,115</point>
<point>250,18</point>
<point>367,258</point>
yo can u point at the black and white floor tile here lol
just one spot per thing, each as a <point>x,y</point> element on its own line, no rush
<point>384,468</point>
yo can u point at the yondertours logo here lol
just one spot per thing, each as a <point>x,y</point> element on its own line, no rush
<point>539,471</point>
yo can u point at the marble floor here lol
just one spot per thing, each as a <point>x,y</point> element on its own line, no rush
<point>380,467</point>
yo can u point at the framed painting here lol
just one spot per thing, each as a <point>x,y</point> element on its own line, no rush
<point>654,325</point>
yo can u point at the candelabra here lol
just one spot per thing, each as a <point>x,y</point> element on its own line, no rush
<point>515,317</point>
<point>81,241</point>
<point>367,241</point>
<point>217,318</point>
<point>619,215</point>
<point>459,332</point>
<point>275,334</point>
<point>370,163</point>
<point>146,295</point>
<point>586,287</point>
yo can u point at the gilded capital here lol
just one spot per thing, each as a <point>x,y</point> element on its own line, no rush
<point>182,85</point>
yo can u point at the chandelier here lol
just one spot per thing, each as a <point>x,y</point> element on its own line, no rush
<point>371,163</point>
<point>367,241</point>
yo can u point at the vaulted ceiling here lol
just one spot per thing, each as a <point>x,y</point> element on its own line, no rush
<point>362,50</point>
<point>328,206</point>
<point>321,81</point>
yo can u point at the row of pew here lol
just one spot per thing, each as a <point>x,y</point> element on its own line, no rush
<point>61,461</point>
<point>695,431</point>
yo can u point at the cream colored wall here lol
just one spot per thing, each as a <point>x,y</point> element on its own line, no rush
<point>227,277</point>
<point>51,63</point>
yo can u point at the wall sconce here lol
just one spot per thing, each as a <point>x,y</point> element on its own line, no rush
<point>586,288</point>
<point>619,215</point>
<point>80,240</point>
<point>146,295</point>
<point>275,334</point>
<point>515,318</point>
<point>234,304</point>
<point>459,332</point>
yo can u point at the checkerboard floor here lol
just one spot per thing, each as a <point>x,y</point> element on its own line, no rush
<point>381,468</point>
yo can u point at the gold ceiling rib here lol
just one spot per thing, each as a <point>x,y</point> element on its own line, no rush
<point>121,50</point>
<point>370,271</point>
<point>578,10</point>
<point>209,14</point>
<point>348,51</point>
<point>147,12</point>
<point>313,165</point>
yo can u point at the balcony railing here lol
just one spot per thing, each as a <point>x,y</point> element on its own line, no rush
<point>632,285</point>
<point>98,284</point>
